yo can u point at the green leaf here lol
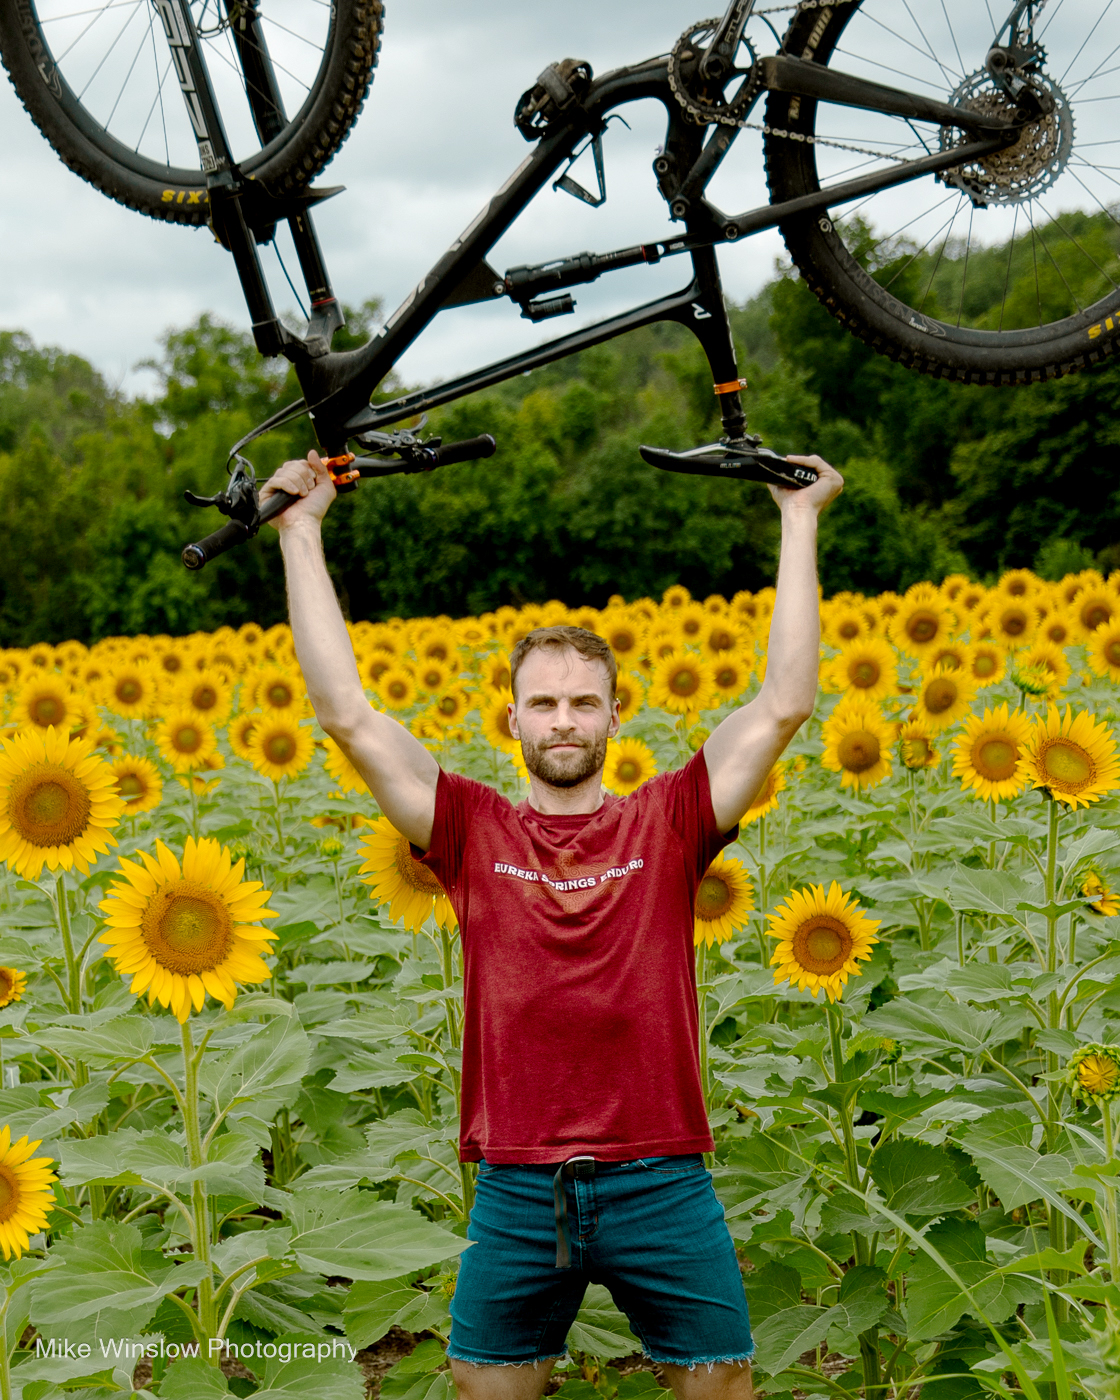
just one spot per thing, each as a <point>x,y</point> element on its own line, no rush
<point>935,1303</point>
<point>406,1131</point>
<point>916,1179</point>
<point>102,1272</point>
<point>985,891</point>
<point>1018,1175</point>
<point>781,1339</point>
<point>360,1237</point>
<point>638,1385</point>
<point>1071,1260</point>
<point>122,1158</point>
<point>417,1376</point>
<point>326,974</point>
<point>326,1377</point>
<point>125,1038</point>
<point>771,1289</point>
<point>946,1028</point>
<point>600,1329</point>
<point>366,1070</point>
<point>192,1378</point>
<point>273,1058</point>
<point>862,1303</point>
<point>372,1308</point>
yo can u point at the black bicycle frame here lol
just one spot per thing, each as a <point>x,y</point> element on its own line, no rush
<point>337,387</point>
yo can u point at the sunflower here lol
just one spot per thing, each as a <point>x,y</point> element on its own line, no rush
<point>433,676</point>
<point>494,672</point>
<point>943,698</point>
<point>58,803</point>
<point>1073,757</point>
<point>207,693</point>
<point>1011,622</point>
<point>340,768</point>
<point>472,633</point>
<point>12,984</point>
<point>986,663</point>
<point>953,585</point>
<point>278,690</point>
<point>723,637</point>
<point>1093,1073</point>
<point>280,747</point>
<point>1059,628</point>
<point>683,685</point>
<point>915,745</point>
<point>675,597</point>
<point>921,623</point>
<point>241,727</point>
<point>138,782</point>
<point>397,878</point>
<point>372,666</point>
<point>731,674</point>
<point>692,623</point>
<point>1045,664</point>
<point>990,757</point>
<point>184,740</point>
<point>1094,607</point>
<point>857,743</point>
<point>841,627</point>
<point>1101,897</point>
<point>495,723</point>
<point>821,939</point>
<point>865,669</point>
<point>440,645</point>
<point>451,707</point>
<point>629,764</point>
<point>42,701</point>
<point>185,930</point>
<point>724,898</point>
<point>197,783</point>
<point>766,798</point>
<point>623,634</point>
<point>1020,583</point>
<point>953,655</point>
<point>396,689</point>
<point>25,1193</point>
<point>129,691</point>
<point>662,641</point>
<point>1104,650</point>
<point>629,691</point>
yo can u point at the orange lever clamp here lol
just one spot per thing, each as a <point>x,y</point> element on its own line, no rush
<point>731,387</point>
<point>341,478</point>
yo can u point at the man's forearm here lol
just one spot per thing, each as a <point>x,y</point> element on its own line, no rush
<point>321,640</point>
<point>793,653</point>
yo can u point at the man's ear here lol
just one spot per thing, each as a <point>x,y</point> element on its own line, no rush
<point>511,714</point>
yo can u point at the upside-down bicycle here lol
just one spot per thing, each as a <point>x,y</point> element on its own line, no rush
<point>992,128</point>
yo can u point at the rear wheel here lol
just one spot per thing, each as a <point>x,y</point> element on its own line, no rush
<point>98,80</point>
<point>1003,271</point>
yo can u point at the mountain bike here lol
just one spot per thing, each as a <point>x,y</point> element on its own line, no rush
<point>919,160</point>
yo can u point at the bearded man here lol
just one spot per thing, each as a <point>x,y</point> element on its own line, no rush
<point>581,1094</point>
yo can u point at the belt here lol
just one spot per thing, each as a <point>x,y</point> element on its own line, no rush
<point>574,1169</point>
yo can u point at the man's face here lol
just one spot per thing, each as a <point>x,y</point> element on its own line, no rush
<point>563,716</point>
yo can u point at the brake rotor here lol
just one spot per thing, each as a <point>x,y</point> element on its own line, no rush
<point>688,87</point>
<point>1032,164</point>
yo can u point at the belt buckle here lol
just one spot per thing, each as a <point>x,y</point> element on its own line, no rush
<point>582,1168</point>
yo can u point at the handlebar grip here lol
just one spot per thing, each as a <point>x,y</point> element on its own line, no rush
<point>230,534</point>
<point>278,502</point>
<point>466,451</point>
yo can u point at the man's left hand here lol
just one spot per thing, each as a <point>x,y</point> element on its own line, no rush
<point>826,488</point>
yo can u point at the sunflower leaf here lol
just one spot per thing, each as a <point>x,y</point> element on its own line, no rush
<point>361,1237</point>
<point>123,1158</point>
<point>600,1329</point>
<point>125,1038</point>
<point>372,1308</point>
<point>275,1057</point>
<point>331,1377</point>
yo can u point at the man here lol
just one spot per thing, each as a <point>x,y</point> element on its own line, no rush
<point>581,1096</point>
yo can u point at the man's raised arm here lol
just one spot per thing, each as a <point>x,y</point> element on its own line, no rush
<point>742,749</point>
<point>399,771</point>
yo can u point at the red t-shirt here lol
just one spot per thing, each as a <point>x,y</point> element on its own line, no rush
<point>581,1032</point>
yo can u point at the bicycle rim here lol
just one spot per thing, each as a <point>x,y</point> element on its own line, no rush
<point>113,56</point>
<point>1003,270</point>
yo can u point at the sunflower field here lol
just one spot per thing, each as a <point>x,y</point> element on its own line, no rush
<point>231,1003</point>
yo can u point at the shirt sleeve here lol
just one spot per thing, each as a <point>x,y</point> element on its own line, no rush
<point>457,802</point>
<point>686,797</point>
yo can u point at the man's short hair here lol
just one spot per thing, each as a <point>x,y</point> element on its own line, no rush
<point>563,638</point>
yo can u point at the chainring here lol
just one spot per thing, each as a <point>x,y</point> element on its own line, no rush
<point>684,62</point>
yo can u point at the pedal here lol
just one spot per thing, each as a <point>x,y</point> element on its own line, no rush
<point>748,462</point>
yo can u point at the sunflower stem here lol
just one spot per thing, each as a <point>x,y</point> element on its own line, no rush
<point>62,911</point>
<point>199,1205</point>
<point>194,805</point>
<point>702,997</point>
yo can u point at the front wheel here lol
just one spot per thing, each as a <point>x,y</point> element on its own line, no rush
<point>1003,271</point>
<point>99,82</point>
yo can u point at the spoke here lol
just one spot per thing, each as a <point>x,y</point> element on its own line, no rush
<point>93,10</point>
<point>941,251</point>
<point>241,76</point>
<point>1075,88</point>
<point>920,215</point>
<point>1088,36</point>
<point>1096,201</point>
<point>124,82</point>
<point>1034,256</point>
<point>311,44</point>
<point>1057,268</point>
<point>923,249</point>
<point>946,72</point>
<point>1050,20</point>
<point>108,51</point>
<point>967,250</point>
<point>1007,276</point>
<point>889,68</point>
<point>925,53</point>
<point>99,15</point>
<point>1083,251</point>
<point>952,35</point>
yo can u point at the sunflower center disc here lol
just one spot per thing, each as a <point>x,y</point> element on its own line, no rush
<point>279,695</point>
<point>995,759</point>
<point>984,665</point>
<point>915,752</point>
<point>205,697</point>
<point>280,748</point>
<point>849,630</point>
<point>47,710</point>
<point>864,674</point>
<point>722,641</point>
<point>9,1194</point>
<point>48,808</point>
<point>187,932</point>
<point>129,692</point>
<point>922,627</point>
<point>713,898</point>
<point>685,682</point>
<point>187,739</point>
<point>858,751</point>
<point>940,696</point>
<point>412,872</point>
<point>822,945</point>
<point>1095,615</point>
<point>130,786</point>
<point>397,690</point>
<point>1067,764</point>
<point>448,705</point>
<point>1096,1074</point>
<point>1013,623</point>
<point>628,770</point>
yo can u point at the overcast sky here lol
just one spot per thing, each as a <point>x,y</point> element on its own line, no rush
<point>435,140</point>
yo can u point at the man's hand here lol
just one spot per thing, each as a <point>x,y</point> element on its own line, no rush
<point>311,481</point>
<point>826,488</point>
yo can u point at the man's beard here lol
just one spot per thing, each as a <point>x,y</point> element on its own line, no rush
<point>567,769</point>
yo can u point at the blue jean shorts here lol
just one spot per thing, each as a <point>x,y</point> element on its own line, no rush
<point>652,1231</point>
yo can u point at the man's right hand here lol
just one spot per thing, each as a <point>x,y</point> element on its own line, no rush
<point>308,479</point>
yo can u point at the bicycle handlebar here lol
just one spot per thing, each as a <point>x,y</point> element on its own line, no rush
<point>228,535</point>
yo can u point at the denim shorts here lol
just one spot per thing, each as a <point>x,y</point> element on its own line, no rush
<point>651,1230</point>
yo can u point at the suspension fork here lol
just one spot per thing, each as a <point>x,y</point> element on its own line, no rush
<point>706,317</point>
